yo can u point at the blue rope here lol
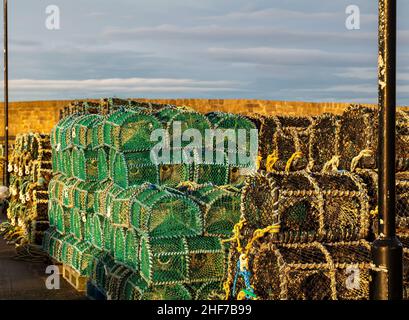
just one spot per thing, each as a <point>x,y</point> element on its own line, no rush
<point>246,276</point>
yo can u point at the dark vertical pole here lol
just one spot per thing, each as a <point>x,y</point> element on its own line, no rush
<point>387,250</point>
<point>6,95</point>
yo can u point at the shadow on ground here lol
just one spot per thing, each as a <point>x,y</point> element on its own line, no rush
<point>21,280</point>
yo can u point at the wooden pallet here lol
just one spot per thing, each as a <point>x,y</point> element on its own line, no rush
<point>74,279</point>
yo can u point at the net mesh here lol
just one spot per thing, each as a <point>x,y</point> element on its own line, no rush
<point>130,130</point>
<point>82,130</point>
<point>308,271</point>
<point>322,150</point>
<point>370,178</point>
<point>402,140</point>
<point>267,128</point>
<point>207,291</point>
<point>178,120</point>
<point>215,171</point>
<point>313,227</point>
<point>162,213</point>
<point>97,231</point>
<point>147,230</point>
<point>85,164</point>
<point>235,123</point>
<point>358,132</point>
<point>184,260</point>
<point>351,140</point>
<point>404,238</point>
<point>171,175</point>
<point>308,204</point>
<point>139,233</point>
<point>221,209</point>
<point>402,205</point>
<point>346,142</point>
<point>30,168</point>
<point>133,169</point>
<point>286,139</point>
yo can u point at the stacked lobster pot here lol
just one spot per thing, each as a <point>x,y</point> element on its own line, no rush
<point>370,177</point>
<point>323,149</point>
<point>357,151</point>
<point>350,141</point>
<point>105,106</point>
<point>246,144</point>
<point>402,190</point>
<point>402,211</point>
<point>30,173</point>
<point>404,239</point>
<point>140,224</point>
<point>357,139</point>
<point>344,142</point>
<point>302,236</point>
<point>306,234</point>
<point>72,191</point>
<point>283,142</point>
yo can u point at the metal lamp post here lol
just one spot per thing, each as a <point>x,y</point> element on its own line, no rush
<point>387,250</point>
<point>6,96</point>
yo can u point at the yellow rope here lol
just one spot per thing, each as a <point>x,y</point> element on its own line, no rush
<point>363,154</point>
<point>188,184</point>
<point>259,233</point>
<point>331,165</point>
<point>271,161</point>
<point>259,159</point>
<point>236,235</point>
<point>241,296</point>
<point>296,155</point>
<point>236,238</point>
<point>229,188</point>
<point>374,212</point>
<point>226,286</point>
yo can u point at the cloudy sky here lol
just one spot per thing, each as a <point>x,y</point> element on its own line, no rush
<point>264,49</point>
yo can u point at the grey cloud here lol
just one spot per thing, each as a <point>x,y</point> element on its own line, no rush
<point>286,56</point>
<point>282,14</point>
<point>368,74</point>
<point>121,86</point>
<point>358,73</point>
<point>267,49</point>
<point>237,34</point>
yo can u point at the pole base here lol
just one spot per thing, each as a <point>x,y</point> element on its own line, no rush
<point>387,278</point>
